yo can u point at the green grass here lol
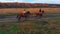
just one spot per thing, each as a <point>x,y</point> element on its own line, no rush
<point>40,25</point>
<point>10,30</point>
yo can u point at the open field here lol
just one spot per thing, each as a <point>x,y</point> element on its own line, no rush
<point>42,26</point>
<point>48,24</point>
<point>32,10</point>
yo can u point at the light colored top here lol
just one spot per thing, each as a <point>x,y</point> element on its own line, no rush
<point>24,11</point>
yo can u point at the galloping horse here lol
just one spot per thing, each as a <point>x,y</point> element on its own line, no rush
<point>23,15</point>
<point>27,14</point>
<point>19,16</point>
<point>39,14</point>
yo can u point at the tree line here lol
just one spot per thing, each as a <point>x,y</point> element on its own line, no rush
<point>26,5</point>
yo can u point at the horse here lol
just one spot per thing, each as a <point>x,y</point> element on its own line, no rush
<point>39,14</point>
<point>28,14</point>
<point>19,16</point>
<point>23,15</point>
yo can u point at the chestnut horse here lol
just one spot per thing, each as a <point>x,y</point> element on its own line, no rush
<point>39,14</point>
<point>23,15</point>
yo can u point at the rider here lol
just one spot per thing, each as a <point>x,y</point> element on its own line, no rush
<point>24,11</point>
<point>40,13</point>
<point>39,10</point>
<point>21,15</point>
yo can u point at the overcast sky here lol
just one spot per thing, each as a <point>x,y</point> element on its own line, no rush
<point>34,1</point>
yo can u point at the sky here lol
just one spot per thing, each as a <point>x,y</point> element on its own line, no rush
<point>34,1</point>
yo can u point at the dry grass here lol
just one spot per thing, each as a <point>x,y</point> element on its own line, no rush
<point>32,10</point>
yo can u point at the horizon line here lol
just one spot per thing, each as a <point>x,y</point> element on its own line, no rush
<point>28,2</point>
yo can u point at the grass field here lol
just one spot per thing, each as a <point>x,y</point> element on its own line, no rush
<point>37,26</point>
<point>42,26</point>
<point>32,10</point>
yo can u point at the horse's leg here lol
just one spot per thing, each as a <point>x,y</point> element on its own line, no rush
<point>19,19</point>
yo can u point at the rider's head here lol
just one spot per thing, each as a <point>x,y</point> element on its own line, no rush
<point>40,10</point>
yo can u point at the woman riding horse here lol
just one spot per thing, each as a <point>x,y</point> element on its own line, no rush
<point>23,15</point>
<point>40,13</point>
